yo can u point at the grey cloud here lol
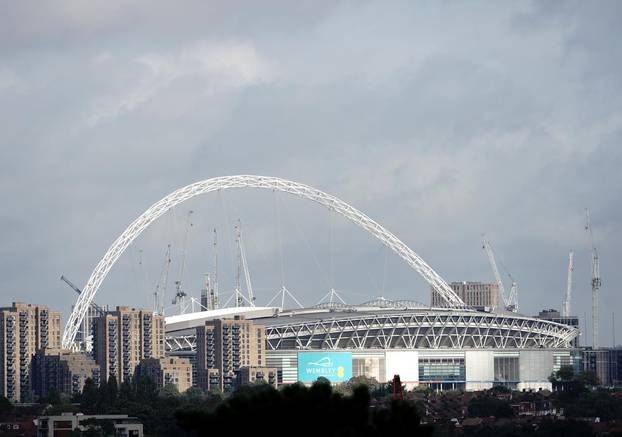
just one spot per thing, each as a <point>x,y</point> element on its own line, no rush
<point>441,120</point>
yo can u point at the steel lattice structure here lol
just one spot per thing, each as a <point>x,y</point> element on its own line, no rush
<point>248,181</point>
<point>421,330</point>
<point>410,329</point>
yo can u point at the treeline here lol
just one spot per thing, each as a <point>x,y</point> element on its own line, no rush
<point>297,410</point>
<point>141,398</point>
<point>575,393</point>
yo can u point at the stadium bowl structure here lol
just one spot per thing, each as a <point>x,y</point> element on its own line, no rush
<point>390,325</point>
<point>480,348</point>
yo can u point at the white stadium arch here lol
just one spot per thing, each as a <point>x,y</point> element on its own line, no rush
<point>247,181</point>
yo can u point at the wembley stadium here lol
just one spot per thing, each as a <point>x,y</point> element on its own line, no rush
<point>439,347</point>
<point>448,344</point>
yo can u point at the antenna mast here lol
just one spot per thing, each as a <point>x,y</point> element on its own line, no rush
<point>596,282</point>
<point>566,305</point>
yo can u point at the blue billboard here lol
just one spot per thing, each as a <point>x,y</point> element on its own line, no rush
<point>334,366</point>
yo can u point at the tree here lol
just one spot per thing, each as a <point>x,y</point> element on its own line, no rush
<point>588,378</point>
<point>484,406</point>
<point>371,383</point>
<point>566,428</point>
<point>565,373</point>
<point>214,390</point>
<point>566,380</point>
<point>169,391</point>
<point>98,428</point>
<point>145,388</point>
<point>6,407</point>
<point>322,380</point>
<point>53,397</point>
<point>126,392</point>
<point>90,397</point>
<point>113,389</point>
<point>318,407</point>
<point>504,410</point>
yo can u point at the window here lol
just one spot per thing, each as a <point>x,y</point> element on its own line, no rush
<point>506,371</point>
<point>442,373</point>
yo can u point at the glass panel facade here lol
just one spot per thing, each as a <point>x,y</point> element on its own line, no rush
<point>560,361</point>
<point>442,373</point>
<point>506,371</point>
<point>372,367</point>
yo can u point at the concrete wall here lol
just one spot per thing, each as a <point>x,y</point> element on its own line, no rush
<point>535,368</point>
<point>480,372</point>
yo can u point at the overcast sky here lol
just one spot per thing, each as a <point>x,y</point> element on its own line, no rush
<point>442,120</point>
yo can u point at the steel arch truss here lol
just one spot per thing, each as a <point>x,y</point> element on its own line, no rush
<point>421,331</point>
<point>247,181</point>
<point>409,330</point>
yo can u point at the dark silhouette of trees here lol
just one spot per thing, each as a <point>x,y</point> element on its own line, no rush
<point>485,406</point>
<point>302,411</point>
<point>6,407</point>
<point>569,428</point>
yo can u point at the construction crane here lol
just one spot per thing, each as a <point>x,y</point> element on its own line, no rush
<point>180,294</point>
<point>242,267</point>
<point>86,329</point>
<point>566,304</point>
<point>596,282</point>
<point>510,302</point>
<point>213,290</point>
<point>209,293</point>
<point>247,274</point>
<point>77,290</point>
<point>160,292</point>
<point>238,292</point>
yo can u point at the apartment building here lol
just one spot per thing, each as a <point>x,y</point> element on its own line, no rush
<point>123,337</point>
<point>224,346</point>
<point>555,316</point>
<point>254,375</point>
<point>63,371</point>
<point>475,294</point>
<point>24,329</point>
<point>167,370</point>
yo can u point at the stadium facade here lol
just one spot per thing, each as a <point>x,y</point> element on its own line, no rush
<point>437,347</point>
